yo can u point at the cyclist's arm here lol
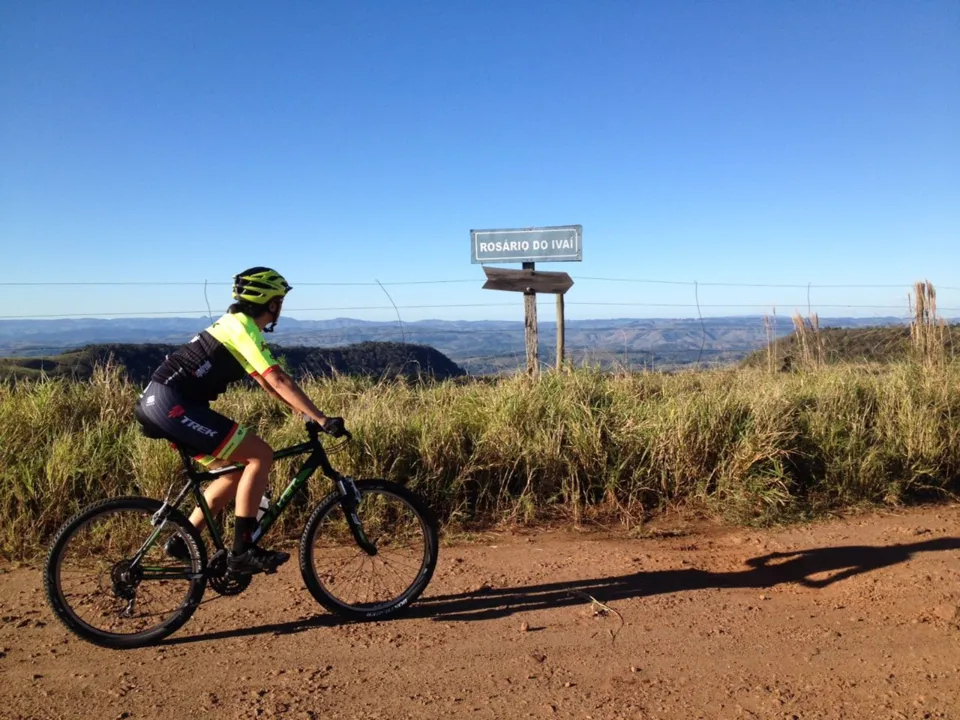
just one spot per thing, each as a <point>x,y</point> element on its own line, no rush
<point>284,387</point>
<point>247,345</point>
<point>266,386</point>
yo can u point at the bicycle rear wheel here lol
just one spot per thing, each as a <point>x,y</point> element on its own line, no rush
<point>349,581</point>
<point>98,590</point>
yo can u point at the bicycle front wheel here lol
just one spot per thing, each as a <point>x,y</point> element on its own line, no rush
<point>108,583</point>
<point>377,582</point>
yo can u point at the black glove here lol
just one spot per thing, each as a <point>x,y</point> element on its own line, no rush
<point>334,426</point>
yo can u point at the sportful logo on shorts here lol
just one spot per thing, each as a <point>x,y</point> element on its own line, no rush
<point>151,399</point>
<point>176,411</point>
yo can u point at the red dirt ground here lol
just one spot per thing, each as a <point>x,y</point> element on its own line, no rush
<point>853,618</point>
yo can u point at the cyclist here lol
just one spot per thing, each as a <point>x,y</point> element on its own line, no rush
<point>176,404</point>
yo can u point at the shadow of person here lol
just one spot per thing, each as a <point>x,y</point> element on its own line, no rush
<point>844,562</point>
<point>764,571</point>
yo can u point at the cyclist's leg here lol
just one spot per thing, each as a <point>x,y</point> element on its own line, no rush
<point>239,446</point>
<point>197,426</point>
<point>218,493</point>
<point>246,557</point>
<point>194,425</point>
<point>257,458</point>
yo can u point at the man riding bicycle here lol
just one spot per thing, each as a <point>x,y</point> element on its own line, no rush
<point>176,404</point>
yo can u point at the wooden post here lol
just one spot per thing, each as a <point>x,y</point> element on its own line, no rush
<point>530,327</point>
<point>560,331</point>
<point>531,283</point>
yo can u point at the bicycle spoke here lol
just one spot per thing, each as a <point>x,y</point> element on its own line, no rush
<point>377,578</point>
<point>350,581</point>
<point>404,565</point>
<point>102,588</point>
<point>395,529</point>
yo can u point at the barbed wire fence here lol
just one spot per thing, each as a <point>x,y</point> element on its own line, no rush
<point>753,321</point>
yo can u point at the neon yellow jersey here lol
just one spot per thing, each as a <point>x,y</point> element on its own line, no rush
<point>241,336</point>
<point>223,353</point>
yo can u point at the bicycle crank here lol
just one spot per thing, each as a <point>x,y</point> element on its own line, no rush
<point>221,579</point>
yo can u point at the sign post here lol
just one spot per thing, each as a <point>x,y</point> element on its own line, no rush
<point>530,330</point>
<point>560,331</point>
<point>529,246</point>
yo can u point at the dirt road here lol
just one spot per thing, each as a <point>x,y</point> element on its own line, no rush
<point>845,619</point>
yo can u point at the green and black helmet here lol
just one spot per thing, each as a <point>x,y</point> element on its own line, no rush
<point>259,285</point>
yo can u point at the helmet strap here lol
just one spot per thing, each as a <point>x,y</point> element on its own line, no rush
<point>273,324</point>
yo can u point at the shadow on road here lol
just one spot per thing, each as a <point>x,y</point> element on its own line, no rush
<point>765,571</point>
<point>287,628</point>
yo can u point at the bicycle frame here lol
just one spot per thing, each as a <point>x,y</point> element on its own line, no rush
<point>345,487</point>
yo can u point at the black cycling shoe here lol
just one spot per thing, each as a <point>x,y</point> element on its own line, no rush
<point>256,560</point>
<point>176,548</point>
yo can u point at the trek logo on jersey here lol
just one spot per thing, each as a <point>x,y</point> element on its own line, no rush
<point>176,411</point>
<point>197,427</point>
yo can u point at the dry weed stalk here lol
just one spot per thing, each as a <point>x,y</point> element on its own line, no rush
<point>809,340</point>
<point>769,330</point>
<point>603,610</point>
<point>927,331</point>
<point>773,350</point>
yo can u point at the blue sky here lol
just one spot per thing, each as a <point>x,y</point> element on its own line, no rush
<point>741,142</point>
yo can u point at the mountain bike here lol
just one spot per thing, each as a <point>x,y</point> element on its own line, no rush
<point>110,581</point>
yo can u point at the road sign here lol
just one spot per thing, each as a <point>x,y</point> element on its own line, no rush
<point>535,281</point>
<point>545,244</point>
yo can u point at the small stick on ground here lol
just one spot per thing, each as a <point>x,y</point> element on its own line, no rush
<point>604,608</point>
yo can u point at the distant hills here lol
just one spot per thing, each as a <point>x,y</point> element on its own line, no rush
<point>478,347</point>
<point>140,360</point>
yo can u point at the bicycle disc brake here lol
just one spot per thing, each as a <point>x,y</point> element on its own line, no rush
<point>221,579</point>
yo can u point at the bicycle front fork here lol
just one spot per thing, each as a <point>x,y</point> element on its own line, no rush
<point>349,501</point>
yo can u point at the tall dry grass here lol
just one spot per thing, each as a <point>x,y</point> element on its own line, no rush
<point>747,445</point>
<point>928,331</point>
<point>809,341</point>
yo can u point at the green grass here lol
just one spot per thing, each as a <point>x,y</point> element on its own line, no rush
<point>746,445</point>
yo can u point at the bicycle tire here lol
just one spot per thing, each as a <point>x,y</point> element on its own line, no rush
<point>65,613</point>
<point>383,610</point>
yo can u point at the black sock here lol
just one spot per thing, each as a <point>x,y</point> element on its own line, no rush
<point>243,530</point>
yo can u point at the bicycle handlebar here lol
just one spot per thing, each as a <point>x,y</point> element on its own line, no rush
<point>314,429</point>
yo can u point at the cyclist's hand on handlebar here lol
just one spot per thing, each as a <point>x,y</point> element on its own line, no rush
<point>334,426</point>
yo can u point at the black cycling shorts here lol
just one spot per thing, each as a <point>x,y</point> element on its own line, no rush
<point>191,424</point>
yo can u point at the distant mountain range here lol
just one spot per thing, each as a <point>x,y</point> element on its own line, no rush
<point>477,346</point>
<point>139,360</point>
